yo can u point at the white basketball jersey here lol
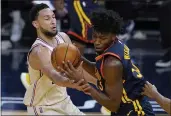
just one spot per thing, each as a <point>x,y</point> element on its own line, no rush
<point>42,91</point>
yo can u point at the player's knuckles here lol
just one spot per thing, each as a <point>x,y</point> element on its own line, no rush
<point>66,66</point>
<point>69,63</point>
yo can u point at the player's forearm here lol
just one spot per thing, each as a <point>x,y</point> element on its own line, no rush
<point>56,77</point>
<point>164,102</point>
<point>59,79</point>
<point>89,78</point>
<point>104,100</point>
<point>88,66</point>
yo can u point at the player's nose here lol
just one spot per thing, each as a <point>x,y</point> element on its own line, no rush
<point>53,22</point>
<point>97,42</point>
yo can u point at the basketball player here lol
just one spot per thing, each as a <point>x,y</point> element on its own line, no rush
<point>47,93</point>
<point>119,81</point>
<point>151,91</point>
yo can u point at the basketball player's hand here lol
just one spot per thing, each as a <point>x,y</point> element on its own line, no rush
<point>72,72</point>
<point>150,90</point>
<point>79,85</point>
<point>86,88</point>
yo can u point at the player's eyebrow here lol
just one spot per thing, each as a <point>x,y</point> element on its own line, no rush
<point>100,35</point>
<point>46,16</point>
<point>49,15</point>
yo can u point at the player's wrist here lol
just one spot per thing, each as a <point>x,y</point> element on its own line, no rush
<point>67,82</point>
<point>88,90</point>
<point>156,96</point>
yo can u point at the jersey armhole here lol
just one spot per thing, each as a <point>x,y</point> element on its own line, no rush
<point>38,44</point>
<point>61,37</point>
<point>31,51</point>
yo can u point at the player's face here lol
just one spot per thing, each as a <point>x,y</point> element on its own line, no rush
<point>102,41</point>
<point>47,22</point>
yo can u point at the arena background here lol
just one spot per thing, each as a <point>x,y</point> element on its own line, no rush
<point>17,36</point>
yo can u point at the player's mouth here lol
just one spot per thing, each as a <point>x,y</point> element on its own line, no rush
<point>54,28</point>
<point>98,48</point>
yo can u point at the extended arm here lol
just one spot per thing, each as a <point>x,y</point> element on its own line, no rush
<point>113,85</point>
<point>164,102</point>
<point>40,59</point>
<point>151,91</point>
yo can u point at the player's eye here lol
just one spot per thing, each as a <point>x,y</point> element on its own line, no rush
<point>46,18</point>
<point>102,38</point>
<point>53,16</point>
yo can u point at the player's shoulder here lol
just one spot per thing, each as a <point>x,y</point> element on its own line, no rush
<point>39,49</point>
<point>63,34</point>
<point>65,37</point>
<point>112,66</point>
<point>111,61</point>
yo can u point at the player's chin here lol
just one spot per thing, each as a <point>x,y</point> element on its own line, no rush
<point>54,32</point>
<point>99,50</point>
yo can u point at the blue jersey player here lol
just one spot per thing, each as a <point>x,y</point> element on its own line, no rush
<point>119,80</point>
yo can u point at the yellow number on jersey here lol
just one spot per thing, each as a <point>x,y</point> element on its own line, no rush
<point>136,70</point>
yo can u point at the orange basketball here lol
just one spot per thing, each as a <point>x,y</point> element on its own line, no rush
<point>65,52</point>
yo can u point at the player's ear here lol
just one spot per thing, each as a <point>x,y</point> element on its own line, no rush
<point>35,24</point>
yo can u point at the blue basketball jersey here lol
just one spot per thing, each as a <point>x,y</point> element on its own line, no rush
<point>133,80</point>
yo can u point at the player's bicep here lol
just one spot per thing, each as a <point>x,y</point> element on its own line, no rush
<point>113,72</point>
<point>40,59</point>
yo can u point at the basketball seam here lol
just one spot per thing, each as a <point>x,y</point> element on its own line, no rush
<point>74,59</point>
<point>66,52</point>
<point>77,56</point>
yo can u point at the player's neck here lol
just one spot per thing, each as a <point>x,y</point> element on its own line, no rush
<point>48,39</point>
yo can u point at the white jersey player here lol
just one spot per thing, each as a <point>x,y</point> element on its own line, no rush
<point>47,93</point>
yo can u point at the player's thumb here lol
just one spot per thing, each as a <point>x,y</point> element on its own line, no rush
<point>81,63</point>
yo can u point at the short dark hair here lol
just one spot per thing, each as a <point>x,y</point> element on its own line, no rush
<point>34,12</point>
<point>106,21</point>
